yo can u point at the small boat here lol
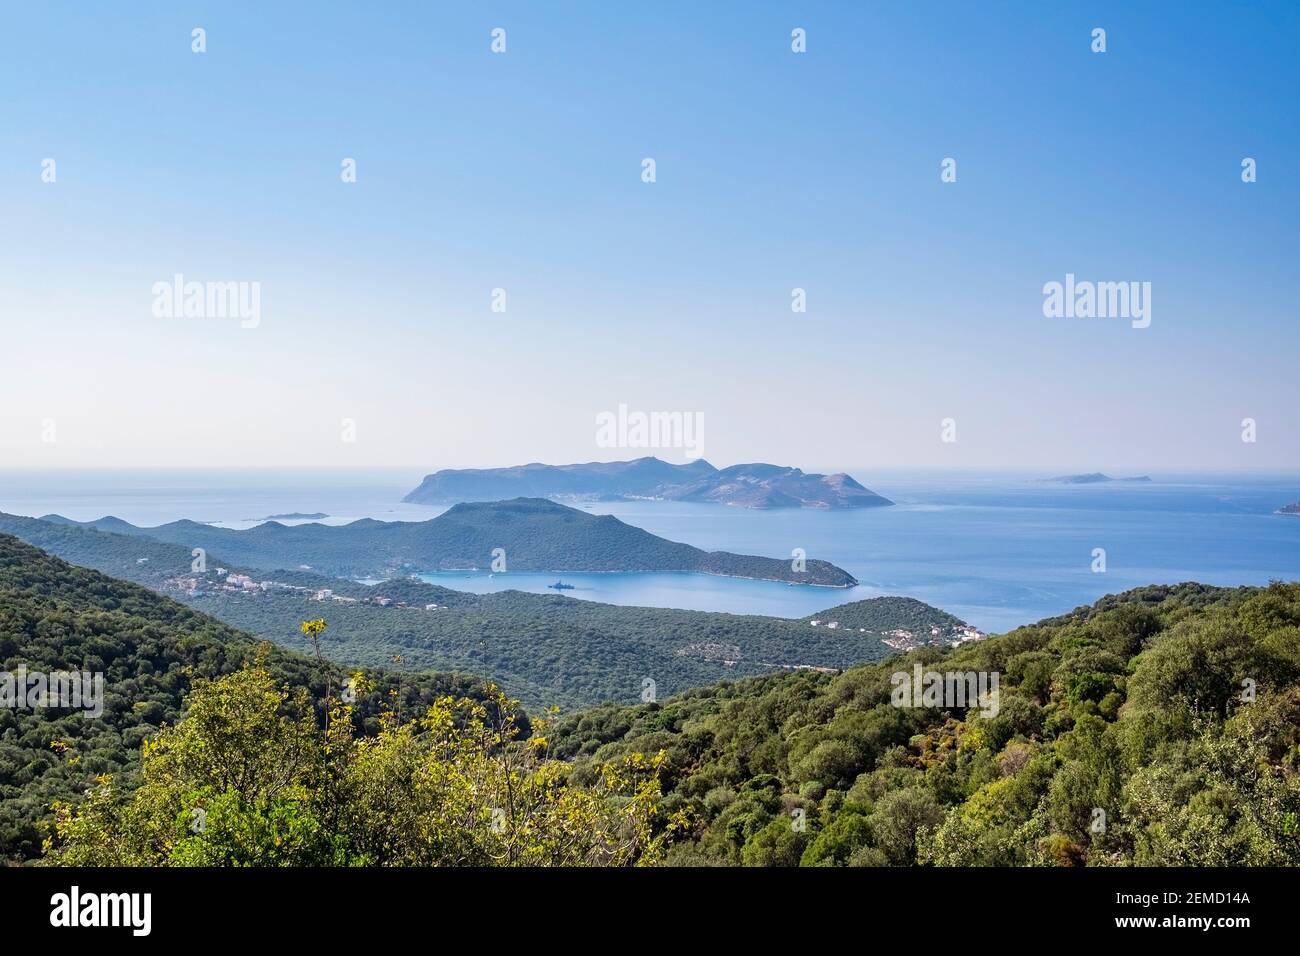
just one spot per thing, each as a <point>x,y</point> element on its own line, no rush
<point>561,586</point>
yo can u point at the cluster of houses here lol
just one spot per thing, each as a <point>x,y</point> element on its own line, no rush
<point>229,582</point>
<point>198,584</point>
<point>904,640</point>
<point>327,594</point>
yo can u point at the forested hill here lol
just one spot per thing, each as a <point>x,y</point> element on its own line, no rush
<point>1156,727</point>
<point>56,617</point>
<point>913,622</point>
<point>528,534</point>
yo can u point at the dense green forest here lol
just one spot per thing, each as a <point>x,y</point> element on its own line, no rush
<point>151,651</point>
<point>547,649</point>
<point>554,650</point>
<point>1157,727</point>
<point>535,535</point>
<point>250,778</point>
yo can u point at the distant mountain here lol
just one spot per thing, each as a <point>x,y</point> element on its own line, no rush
<point>535,534</point>
<point>747,486</point>
<point>1291,509</point>
<point>1092,478</point>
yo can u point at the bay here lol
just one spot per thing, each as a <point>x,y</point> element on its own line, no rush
<point>997,549</point>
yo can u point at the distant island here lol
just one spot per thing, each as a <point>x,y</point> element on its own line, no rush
<point>746,486</point>
<point>1291,509</point>
<point>1091,478</point>
<point>297,516</point>
<point>532,534</point>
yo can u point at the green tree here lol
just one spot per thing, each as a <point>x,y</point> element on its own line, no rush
<point>247,778</point>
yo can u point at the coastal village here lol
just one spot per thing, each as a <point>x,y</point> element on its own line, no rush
<point>198,584</point>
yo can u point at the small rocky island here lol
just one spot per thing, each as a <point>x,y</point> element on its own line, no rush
<point>1292,509</point>
<point>1092,478</point>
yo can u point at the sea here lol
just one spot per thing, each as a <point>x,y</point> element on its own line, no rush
<point>997,549</point>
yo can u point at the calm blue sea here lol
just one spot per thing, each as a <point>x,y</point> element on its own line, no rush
<point>996,549</point>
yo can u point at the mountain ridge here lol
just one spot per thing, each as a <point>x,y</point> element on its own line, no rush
<point>536,534</point>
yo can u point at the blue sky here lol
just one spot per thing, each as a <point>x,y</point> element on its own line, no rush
<point>775,170</point>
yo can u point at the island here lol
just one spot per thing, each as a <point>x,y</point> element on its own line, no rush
<point>1092,478</point>
<point>1291,509</point>
<point>755,485</point>
<point>521,534</point>
<point>297,516</point>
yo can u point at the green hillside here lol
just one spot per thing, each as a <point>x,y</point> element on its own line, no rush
<point>151,650</point>
<point>207,749</point>
<point>1158,727</point>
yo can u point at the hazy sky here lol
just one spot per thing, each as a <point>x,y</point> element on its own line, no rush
<point>774,170</point>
